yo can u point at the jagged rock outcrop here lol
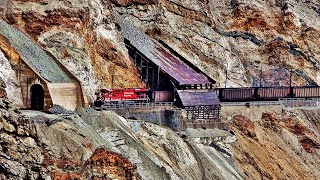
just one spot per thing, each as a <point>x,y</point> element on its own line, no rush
<point>7,73</point>
<point>102,164</point>
<point>20,152</point>
<point>33,149</point>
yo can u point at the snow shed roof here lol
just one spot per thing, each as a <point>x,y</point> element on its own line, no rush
<point>45,65</point>
<point>161,56</point>
<point>198,98</point>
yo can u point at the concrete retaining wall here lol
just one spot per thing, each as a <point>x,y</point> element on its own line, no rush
<point>164,116</point>
<point>65,94</point>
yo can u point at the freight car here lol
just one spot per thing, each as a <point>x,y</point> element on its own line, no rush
<point>266,93</point>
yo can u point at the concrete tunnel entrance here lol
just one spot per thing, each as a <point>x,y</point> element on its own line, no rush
<point>37,97</point>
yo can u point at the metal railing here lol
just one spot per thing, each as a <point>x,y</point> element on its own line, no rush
<point>286,102</point>
<point>251,103</point>
<point>302,102</point>
<point>126,105</point>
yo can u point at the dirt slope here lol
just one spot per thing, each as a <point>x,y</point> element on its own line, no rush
<point>276,147</point>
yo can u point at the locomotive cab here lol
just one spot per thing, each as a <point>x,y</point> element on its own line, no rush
<point>121,95</point>
<point>101,96</point>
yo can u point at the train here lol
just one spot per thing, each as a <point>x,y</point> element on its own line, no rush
<point>136,95</point>
<point>266,93</point>
<point>223,94</point>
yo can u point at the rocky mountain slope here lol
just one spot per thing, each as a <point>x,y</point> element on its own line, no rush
<point>101,145</point>
<point>43,148</point>
<point>277,146</point>
<point>244,37</point>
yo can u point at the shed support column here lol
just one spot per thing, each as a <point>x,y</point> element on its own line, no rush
<point>147,73</point>
<point>141,59</point>
<point>158,77</point>
<point>193,113</point>
<point>152,82</point>
<point>188,112</point>
<point>135,57</point>
<point>198,109</point>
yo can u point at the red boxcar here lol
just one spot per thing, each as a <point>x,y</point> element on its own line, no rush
<point>115,95</point>
<point>162,96</point>
<point>237,94</point>
<point>306,92</point>
<point>273,93</point>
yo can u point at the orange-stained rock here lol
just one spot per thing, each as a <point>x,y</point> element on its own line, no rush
<point>308,138</point>
<point>309,145</point>
<point>36,24</point>
<point>110,52</point>
<point>131,2</point>
<point>9,51</point>
<point>102,164</point>
<point>244,125</point>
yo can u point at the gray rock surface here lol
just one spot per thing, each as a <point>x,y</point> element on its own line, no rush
<point>57,109</point>
<point>8,76</point>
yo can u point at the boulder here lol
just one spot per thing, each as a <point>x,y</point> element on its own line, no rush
<point>57,109</point>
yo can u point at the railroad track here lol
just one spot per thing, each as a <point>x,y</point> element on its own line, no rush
<point>251,103</point>
<point>125,105</point>
<point>286,102</point>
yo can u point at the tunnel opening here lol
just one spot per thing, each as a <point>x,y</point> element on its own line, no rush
<point>37,97</point>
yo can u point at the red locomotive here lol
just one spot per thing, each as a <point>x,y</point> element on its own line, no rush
<point>120,95</point>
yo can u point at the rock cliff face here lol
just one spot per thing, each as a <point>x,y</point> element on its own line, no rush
<point>7,74</point>
<point>81,34</point>
<point>250,39</point>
